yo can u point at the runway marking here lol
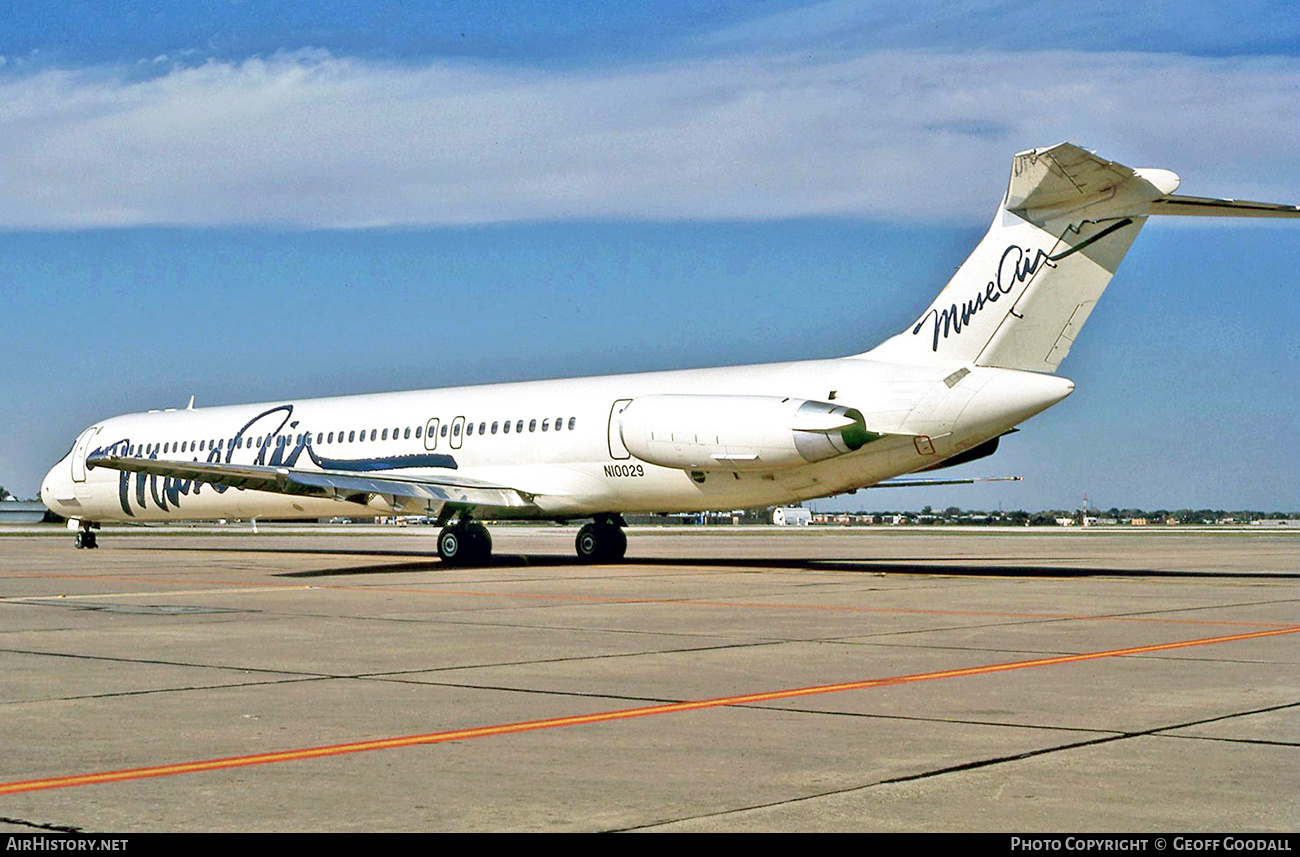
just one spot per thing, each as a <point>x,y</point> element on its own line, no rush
<point>20,786</point>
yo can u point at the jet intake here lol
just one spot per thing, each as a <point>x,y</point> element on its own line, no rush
<point>739,433</point>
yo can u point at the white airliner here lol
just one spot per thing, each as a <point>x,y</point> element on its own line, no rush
<point>978,361</point>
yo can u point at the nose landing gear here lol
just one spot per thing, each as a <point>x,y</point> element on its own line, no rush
<point>85,537</point>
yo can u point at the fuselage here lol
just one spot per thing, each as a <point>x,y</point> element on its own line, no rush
<point>559,441</point>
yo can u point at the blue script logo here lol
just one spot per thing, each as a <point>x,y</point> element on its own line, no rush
<point>277,449</point>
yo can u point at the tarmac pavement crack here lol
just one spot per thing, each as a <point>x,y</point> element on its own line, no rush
<point>397,675</point>
<point>977,764</point>
<point>179,689</point>
<point>36,825</point>
<point>162,663</point>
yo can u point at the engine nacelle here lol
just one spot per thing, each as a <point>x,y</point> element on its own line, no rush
<point>739,433</point>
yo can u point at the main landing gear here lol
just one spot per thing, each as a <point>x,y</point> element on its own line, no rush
<point>603,540</point>
<point>465,542</point>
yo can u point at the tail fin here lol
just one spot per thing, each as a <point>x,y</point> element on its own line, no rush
<point>1062,229</point>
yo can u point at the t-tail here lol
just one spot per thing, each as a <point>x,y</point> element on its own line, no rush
<point>1068,217</point>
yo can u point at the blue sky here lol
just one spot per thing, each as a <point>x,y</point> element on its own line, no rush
<point>260,200</point>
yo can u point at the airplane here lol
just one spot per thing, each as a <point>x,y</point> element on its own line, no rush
<point>981,359</point>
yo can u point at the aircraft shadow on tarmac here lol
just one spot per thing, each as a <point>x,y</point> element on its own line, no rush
<point>936,566</point>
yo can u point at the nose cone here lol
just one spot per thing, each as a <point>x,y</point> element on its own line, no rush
<point>56,488</point>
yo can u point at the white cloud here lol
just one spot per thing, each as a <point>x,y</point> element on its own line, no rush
<point>308,139</point>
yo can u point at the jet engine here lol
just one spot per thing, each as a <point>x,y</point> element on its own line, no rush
<point>739,433</point>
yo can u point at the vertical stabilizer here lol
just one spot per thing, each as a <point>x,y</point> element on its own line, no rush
<point>1019,300</point>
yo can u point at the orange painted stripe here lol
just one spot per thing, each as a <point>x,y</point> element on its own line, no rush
<point>18,787</point>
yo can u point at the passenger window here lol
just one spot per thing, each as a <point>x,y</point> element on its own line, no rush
<point>495,426</point>
<point>443,433</point>
<point>506,428</point>
<point>374,433</point>
<point>352,435</point>
<point>532,425</point>
<point>519,426</point>
<point>572,420</point>
<point>546,424</point>
<point>384,436</point>
<point>418,429</point>
<point>406,435</point>
<point>455,430</point>
<point>559,423</point>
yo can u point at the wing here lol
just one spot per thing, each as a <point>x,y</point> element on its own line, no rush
<point>402,494</point>
<point>929,483</point>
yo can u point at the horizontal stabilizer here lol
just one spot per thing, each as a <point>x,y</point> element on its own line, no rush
<point>1067,181</point>
<point>1200,206</point>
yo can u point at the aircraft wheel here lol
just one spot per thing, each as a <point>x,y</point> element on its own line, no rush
<point>600,543</point>
<point>464,544</point>
<point>452,546</point>
<point>90,541</point>
<point>79,539</point>
<point>480,540</point>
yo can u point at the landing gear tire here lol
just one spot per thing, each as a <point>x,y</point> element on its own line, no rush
<point>464,543</point>
<point>85,539</point>
<point>600,543</point>
<point>481,541</point>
